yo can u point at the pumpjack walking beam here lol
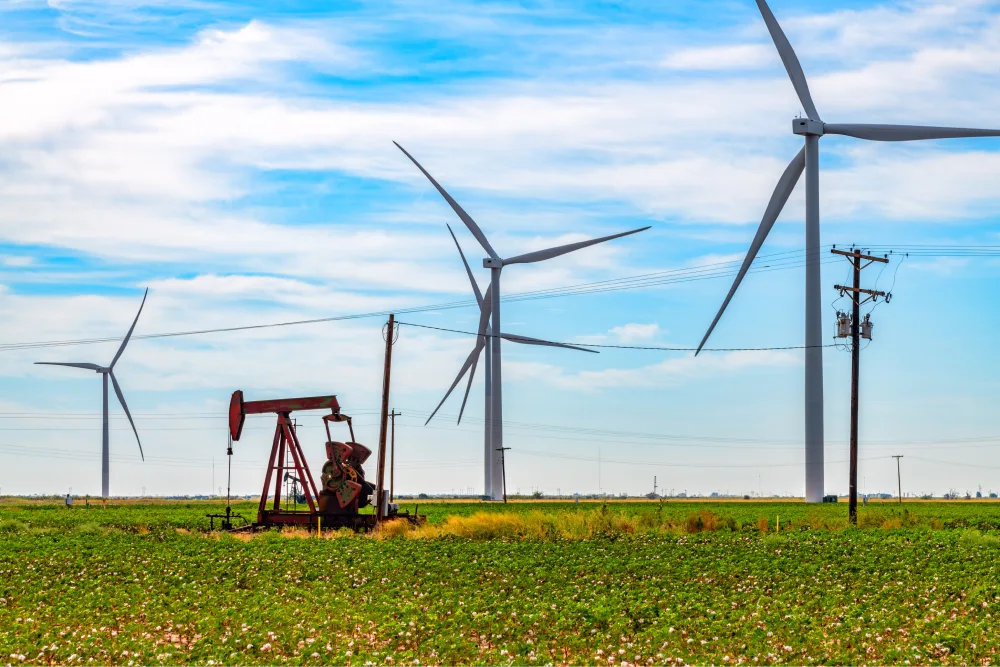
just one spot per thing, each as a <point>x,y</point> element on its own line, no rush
<point>856,293</point>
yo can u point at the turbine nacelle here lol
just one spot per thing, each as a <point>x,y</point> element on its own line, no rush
<point>493,263</point>
<point>808,127</point>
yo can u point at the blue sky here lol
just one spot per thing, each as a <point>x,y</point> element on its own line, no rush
<point>237,159</point>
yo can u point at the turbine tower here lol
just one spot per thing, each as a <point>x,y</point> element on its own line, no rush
<point>811,128</point>
<point>493,472</point>
<point>106,372</point>
<point>495,264</point>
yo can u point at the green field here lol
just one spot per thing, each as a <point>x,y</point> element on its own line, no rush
<point>529,583</point>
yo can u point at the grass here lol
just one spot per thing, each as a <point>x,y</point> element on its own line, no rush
<point>639,583</point>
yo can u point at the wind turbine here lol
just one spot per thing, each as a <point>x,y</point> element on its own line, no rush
<point>495,264</point>
<point>491,458</point>
<point>811,128</point>
<point>106,372</point>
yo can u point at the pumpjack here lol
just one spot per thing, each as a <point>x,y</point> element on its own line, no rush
<point>343,489</point>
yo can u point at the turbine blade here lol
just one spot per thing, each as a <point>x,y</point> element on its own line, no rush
<point>121,399</point>
<point>131,329</point>
<point>541,255</point>
<point>781,193</point>
<point>790,60</point>
<point>472,374</point>
<point>485,310</point>
<point>466,218</point>
<point>472,278</point>
<point>526,340</point>
<point>89,367</point>
<point>465,367</point>
<point>905,132</point>
<point>482,341</point>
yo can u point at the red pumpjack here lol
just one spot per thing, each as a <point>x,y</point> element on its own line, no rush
<point>344,488</point>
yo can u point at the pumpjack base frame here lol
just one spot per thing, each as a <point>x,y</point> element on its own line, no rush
<point>361,523</point>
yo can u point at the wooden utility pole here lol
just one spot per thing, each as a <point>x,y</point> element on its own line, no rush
<point>858,297</point>
<point>899,478</point>
<point>503,468</point>
<point>392,456</point>
<point>390,331</point>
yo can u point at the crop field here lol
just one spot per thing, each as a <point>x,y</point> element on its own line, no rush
<point>527,583</point>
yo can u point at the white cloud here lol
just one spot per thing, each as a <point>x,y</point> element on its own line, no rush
<point>941,266</point>
<point>668,373</point>
<point>137,157</point>
<point>632,333</point>
<point>730,57</point>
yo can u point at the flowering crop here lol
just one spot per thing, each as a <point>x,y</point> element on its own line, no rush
<point>149,588</point>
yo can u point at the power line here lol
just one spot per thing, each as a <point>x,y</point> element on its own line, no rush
<point>765,263</point>
<point>776,261</point>
<point>631,347</point>
<point>955,463</point>
<point>672,464</point>
<point>177,462</point>
<point>416,417</point>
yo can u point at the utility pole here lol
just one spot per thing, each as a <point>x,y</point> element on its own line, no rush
<point>392,456</point>
<point>858,297</point>
<point>503,467</point>
<point>899,478</point>
<point>389,333</point>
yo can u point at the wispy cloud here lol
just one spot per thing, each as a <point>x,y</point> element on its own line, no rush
<point>730,57</point>
<point>669,373</point>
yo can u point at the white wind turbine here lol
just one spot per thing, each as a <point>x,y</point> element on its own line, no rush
<point>495,264</point>
<point>811,128</point>
<point>492,460</point>
<point>106,372</point>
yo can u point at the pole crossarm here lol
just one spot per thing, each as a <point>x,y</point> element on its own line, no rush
<point>859,255</point>
<point>870,292</point>
<point>857,291</point>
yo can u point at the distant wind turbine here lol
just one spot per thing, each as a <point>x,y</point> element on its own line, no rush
<point>495,264</point>
<point>493,472</point>
<point>811,128</point>
<point>106,372</point>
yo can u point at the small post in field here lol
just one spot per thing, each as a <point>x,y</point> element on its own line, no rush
<point>899,478</point>
<point>503,468</point>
